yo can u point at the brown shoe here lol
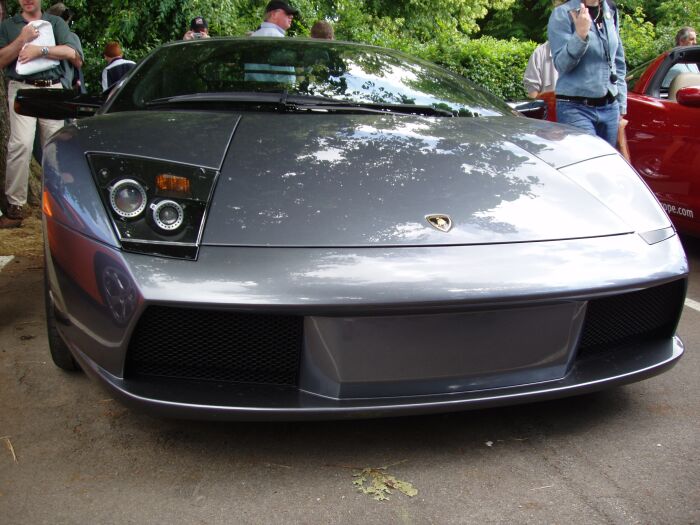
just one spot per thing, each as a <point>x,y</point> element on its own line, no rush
<point>14,211</point>
<point>7,222</point>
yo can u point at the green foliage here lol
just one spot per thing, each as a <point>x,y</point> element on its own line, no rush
<point>525,20</point>
<point>674,14</point>
<point>497,65</point>
<point>438,30</point>
<point>678,13</point>
<point>643,39</point>
<point>639,38</point>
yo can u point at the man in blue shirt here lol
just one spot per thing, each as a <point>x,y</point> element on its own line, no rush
<point>591,91</point>
<point>278,18</point>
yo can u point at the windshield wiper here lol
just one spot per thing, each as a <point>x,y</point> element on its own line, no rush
<point>285,102</point>
<point>252,97</point>
<point>312,102</point>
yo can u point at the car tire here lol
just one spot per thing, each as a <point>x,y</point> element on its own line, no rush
<point>60,354</point>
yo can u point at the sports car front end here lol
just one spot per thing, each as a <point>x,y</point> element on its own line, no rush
<point>238,262</point>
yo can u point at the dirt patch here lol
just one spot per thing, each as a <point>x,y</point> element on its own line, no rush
<point>25,241</point>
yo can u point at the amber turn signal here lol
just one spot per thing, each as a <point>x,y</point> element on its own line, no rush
<point>173,184</point>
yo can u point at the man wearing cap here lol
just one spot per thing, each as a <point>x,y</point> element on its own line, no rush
<point>16,35</point>
<point>278,18</point>
<point>198,29</point>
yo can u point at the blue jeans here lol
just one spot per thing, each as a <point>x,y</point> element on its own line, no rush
<point>601,121</point>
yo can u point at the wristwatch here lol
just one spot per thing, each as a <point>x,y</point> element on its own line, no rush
<point>44,51</point>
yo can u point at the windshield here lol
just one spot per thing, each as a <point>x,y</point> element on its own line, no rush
<point>331,72</point>
<point>633,76</point>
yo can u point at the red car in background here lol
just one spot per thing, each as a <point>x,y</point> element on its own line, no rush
<point>663,134</point>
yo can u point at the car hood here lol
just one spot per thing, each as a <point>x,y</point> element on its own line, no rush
<point>336,180</point>
<point>371,180</point>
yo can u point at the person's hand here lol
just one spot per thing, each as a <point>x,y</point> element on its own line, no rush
<point>29,33</point>
<point>194,35</point>
<point>28,53</point>
<point>582,21</point>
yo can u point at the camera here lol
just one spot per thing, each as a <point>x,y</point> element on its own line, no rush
<point>613,78</point>
<point>197,36</point>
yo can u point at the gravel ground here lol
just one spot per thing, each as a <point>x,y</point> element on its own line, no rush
<point>25,241</point>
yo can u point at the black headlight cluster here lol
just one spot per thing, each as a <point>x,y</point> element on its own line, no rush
<point>156,207</point>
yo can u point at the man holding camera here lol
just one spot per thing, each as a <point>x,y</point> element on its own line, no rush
<point>198,29</point>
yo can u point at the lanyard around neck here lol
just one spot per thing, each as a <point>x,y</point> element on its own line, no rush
<point>603,35</point>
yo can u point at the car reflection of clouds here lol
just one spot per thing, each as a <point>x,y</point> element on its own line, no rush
<point>446,267</point>
<point>220,286</point>
<point>529,218</point>
<point>330,155</point>
<point>410,231</point>
<point>392,80</point>
<point>404,131</point>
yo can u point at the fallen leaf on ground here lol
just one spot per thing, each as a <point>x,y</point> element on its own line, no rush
<point>9,446</point>
<point>376,482</point>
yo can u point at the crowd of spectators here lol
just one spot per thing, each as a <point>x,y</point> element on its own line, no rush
<point>39,50</point>
<point>583,40</point>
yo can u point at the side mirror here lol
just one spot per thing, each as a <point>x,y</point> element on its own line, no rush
<point>56,104</point>
<point>689,96</point>
<point>536,109</point>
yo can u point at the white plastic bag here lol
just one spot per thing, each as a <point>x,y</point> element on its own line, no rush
<point>45,39</point>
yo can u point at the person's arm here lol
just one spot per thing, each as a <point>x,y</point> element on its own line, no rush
<point>567,32</point>
<point>65,41</point>
<point>532,79</point>
<point>62,52</point>
<point>11,51</point>
<point>621,71</point>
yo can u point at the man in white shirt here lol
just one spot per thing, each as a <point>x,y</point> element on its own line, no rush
<point>278,18</point>
<point>540,74</point>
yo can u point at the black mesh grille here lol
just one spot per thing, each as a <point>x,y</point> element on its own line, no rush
<point>623,319</point>
<point>216,345</point>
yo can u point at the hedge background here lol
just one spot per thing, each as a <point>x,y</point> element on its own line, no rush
<point>488,41</point>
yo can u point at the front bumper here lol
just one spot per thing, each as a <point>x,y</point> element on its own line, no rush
<point>216,401</point>
<point>493,296</point>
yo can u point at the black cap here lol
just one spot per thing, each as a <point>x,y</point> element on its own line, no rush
<point>281,4</point>
<point>198,24</point>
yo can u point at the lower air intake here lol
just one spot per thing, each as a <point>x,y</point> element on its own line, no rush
<point>623,319</point>
<point>216,345</point>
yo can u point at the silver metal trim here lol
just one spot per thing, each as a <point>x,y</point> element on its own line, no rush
<point>120,184</point>
<point>158,206</point>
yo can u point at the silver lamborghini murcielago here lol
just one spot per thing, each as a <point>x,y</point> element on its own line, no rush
<point>297,229</point>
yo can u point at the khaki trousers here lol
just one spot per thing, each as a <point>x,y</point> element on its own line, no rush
<point>20,145</point>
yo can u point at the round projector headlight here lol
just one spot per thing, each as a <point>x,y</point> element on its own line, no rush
<point>128,198</point>
<point>168,215</point>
